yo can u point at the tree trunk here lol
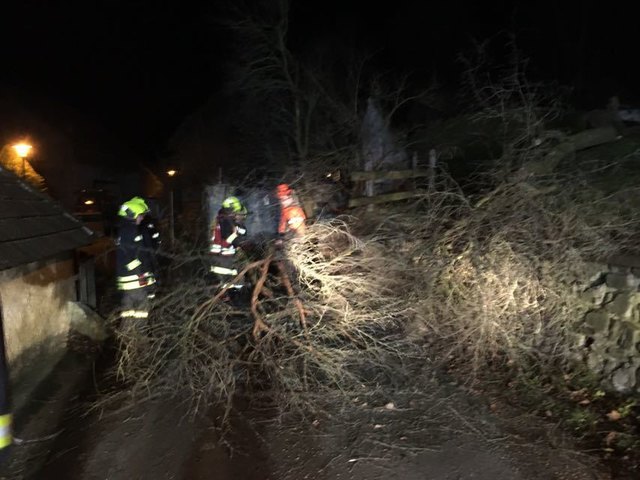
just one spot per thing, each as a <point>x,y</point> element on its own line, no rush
<point>574,143</point>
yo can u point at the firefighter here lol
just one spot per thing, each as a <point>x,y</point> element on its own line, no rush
<point>292,217</point>
<point>6,438</point>
<point>134,265</point>
<point>228,233</point>
<point>150,237</point>
<point>291,228</point>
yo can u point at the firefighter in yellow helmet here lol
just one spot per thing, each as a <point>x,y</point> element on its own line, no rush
<point>151,239</point>
<point>228,233</point>
<point>134,264</point>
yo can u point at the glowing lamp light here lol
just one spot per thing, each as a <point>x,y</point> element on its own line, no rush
<point>22,149</point>
<point>172,173</point>
<point>88,202</point>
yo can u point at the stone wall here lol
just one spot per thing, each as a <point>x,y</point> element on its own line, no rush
<point>609,333</point>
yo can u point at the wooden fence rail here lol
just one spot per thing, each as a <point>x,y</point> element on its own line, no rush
<point>385,197</point>
<point>380,175</point>
<point>388,175</point>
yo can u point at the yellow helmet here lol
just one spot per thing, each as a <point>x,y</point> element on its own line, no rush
<point>134,207</point>
<point>234,204</point>
<point>141,201</point>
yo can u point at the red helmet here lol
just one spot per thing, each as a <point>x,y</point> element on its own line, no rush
<point>283,190</point>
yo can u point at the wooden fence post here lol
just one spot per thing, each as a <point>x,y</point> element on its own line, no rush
<point>433,160</point>
<point>87,277</point>
<point>414,167</point>
<point>369,184</point>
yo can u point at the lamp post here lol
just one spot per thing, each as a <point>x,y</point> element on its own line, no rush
<point>23,149</point>
<point>171,173</point>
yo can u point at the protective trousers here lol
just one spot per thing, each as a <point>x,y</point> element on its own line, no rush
<point>224,266</point>
<point>135,305</point>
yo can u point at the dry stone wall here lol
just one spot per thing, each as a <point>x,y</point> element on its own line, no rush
<point>609,334</point>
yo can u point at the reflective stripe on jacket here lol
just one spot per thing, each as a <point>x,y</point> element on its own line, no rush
<point>133,260</point>
<point>133,282</point>
<point>6,438</point>
<point>225,233</point>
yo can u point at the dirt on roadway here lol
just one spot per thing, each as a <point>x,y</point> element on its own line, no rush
<point>443,434</point>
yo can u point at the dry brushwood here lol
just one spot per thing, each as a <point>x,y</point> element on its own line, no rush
<point>470,281</point>
<point>502,279</point>
<point>323,316</point>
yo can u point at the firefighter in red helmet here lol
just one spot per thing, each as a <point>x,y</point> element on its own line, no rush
<point>292,216</point>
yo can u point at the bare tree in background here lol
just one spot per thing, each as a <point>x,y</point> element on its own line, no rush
<point>296,109</point>
<point>291,111</point>
<point>503,96</point>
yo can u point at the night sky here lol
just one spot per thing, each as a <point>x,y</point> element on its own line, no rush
<point>139,67</point>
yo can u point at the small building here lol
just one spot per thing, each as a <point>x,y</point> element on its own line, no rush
<point>39,281</point>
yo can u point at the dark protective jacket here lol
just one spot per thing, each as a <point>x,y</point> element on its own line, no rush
<point>151,241</point>
<point>150,233</point>
<point>227,234</point>
<point>134,262</point>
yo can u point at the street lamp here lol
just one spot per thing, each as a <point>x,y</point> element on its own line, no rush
<point>23,149</point>
<point>171,173</point>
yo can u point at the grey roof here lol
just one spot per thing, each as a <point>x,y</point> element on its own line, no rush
<point>32,226</point>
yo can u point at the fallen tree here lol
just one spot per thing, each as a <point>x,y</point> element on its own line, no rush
<point>323,316</point>
<point>567,147</point>
<point>465,281</point>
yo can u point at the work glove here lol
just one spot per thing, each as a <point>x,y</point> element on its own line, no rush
<point>151,292</point>
<point>142,280</point>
